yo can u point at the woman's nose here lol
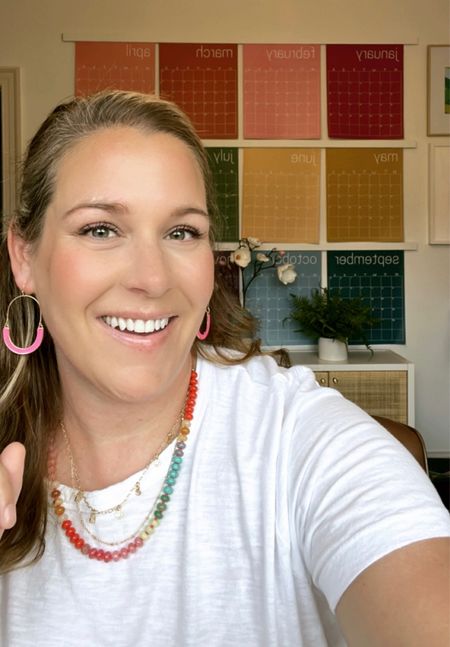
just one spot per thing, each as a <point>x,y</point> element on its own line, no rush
<point>148,269</point>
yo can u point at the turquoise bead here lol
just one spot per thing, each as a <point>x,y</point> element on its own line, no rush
<point>177,459</point>
<point>168,489</point>
<point>170,481</point>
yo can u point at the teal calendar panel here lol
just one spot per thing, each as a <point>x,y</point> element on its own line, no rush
<point>378,278</point>
<point>224,164</point>
<point>269,300</point>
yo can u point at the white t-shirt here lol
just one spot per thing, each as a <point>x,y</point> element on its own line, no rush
<point>287,492</point>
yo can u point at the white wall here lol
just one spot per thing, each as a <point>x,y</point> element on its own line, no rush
<point>30,38</point>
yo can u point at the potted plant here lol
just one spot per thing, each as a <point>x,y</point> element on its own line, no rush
<point>333,320</point>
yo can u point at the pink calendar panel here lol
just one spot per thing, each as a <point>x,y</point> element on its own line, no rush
<point>365,91</point>
<point>118,66</point>
<point>202,80</point>
<point>281,91</point>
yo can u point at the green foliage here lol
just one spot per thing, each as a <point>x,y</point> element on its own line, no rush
<point>326,314</point>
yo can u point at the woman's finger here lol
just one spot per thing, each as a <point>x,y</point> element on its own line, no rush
<point>12,461</point>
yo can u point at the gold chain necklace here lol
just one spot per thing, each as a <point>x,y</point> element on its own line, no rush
<point>136,488</point>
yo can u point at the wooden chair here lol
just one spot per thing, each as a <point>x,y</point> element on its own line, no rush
<point>409,437</point>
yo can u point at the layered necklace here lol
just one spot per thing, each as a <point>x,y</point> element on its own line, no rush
<point>117,550</point>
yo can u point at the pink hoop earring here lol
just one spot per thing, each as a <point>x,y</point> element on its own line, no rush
<point>203,335</point>
<point>10,345</point>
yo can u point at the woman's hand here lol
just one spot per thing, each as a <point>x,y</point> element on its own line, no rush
<point>12,460</point>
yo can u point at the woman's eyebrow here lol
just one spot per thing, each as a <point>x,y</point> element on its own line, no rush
<point>116,208</point>
<point>184,211</point>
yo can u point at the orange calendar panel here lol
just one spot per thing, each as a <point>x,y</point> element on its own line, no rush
<point>281,194</point>
<point>202,80</point>
<point>117,66</point>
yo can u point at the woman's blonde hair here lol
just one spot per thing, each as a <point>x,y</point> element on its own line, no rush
<point>30,397</point>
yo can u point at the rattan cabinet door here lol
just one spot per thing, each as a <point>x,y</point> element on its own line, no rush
<point>322,377</point>
<point>380,393</point>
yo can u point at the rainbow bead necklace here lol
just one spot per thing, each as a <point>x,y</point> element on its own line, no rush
<point>155,516</point>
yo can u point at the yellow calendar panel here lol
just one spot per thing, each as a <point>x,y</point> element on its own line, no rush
<point>281,194</point>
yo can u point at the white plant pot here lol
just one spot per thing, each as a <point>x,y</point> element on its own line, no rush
<point>332,350</point>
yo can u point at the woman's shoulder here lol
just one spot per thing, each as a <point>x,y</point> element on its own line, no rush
<point>262,370</point>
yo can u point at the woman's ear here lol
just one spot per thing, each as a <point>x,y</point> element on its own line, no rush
<point>20,258</point>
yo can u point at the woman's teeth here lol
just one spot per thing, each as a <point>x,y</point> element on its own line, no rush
<point>139,326</point>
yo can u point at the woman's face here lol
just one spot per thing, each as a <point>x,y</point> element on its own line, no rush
<point>124,268</point>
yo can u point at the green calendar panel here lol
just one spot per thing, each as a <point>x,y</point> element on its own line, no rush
<point>378,278</point>
<point>224,164</point>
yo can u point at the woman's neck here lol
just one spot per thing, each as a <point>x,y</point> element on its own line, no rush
<point>111,439</point>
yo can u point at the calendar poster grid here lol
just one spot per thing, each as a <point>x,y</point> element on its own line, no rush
<point>202,80</point>
<point>365,91</point>
<point>378,278</point>
<point>276,194</point>
<point>281,91</point>
<point>114,66</point>
<point>224,164</point>
<point>281,194</point>
<point>364,194</point>
<point>269,300</point>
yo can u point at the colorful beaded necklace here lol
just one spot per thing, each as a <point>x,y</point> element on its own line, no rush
<point>155,516</point>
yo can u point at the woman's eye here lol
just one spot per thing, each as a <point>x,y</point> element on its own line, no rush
<point>99,231</point>
<point>183,233</point>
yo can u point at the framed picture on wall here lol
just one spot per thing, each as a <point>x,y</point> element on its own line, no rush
<point>438,90</point>
<point>439,194</point>
<point>9,137</point>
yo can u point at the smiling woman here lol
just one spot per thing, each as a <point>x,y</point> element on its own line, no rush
<point>151,454</point>
<point>140,253</point>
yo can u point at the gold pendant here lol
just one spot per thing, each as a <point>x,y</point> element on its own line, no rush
<point>78,496</point>
<point>92,517</point>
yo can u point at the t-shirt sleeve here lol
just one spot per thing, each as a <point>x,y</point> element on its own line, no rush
<point>355,493</point>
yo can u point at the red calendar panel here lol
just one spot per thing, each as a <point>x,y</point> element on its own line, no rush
<point>117,66</point>
<point>282,91</point>
<point>202,80</point>
<point>365,91</point>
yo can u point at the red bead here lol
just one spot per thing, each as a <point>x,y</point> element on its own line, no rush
<point>116,555</point>
<point>131,548</point>
<point>66,524</point>
<point>138,542</point>
<point>92,553</point>
<point>100,554</point>
<point>79,543</point>
<point>107,557</point>
<point>124,552</point>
